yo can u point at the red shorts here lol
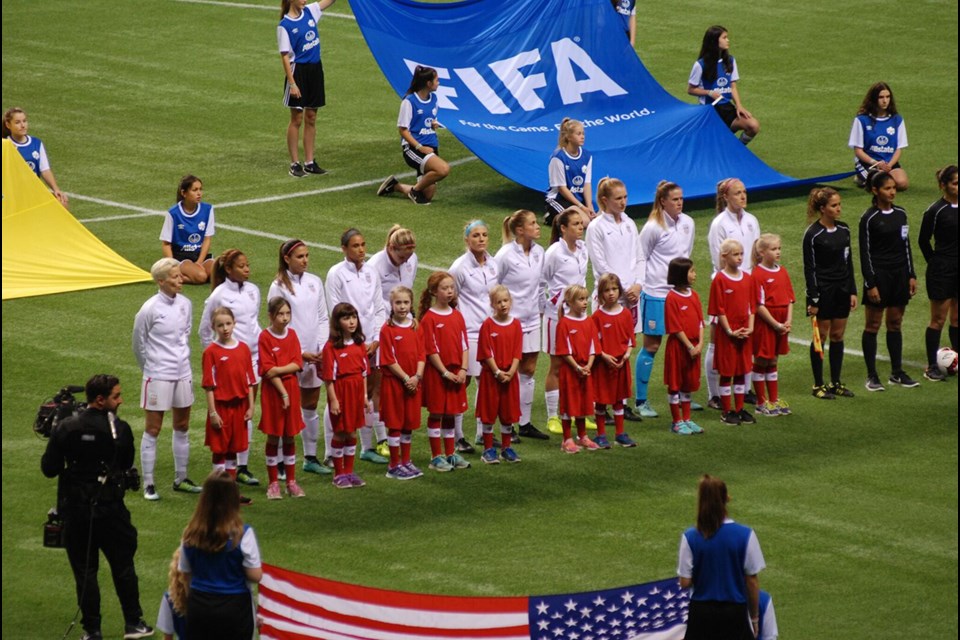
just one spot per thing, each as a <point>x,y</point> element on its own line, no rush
<point>351,394</point>
<point>680,371</point>
<point>274,419</point>
<point>442,397</point>
<point>768,343</point>
<point>732,356</point>
<point>399,409</point>
<point>231,437</point>
<point>497,400</point>
<point>576,393</point>
<point>610,386</point>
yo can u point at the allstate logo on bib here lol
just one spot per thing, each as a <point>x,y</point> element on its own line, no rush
<point>882,140</point>
<point>722,81</point>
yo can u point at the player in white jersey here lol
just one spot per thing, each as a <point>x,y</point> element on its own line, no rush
<point>397,263</point>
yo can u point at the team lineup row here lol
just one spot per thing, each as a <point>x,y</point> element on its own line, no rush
<point>751,318</point>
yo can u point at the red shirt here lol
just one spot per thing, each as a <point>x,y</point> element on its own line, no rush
<point>732,298</point>
<point>350,359</point>
<point>503,343</point>
<point>576,337</point>
<point>444,334</point>
<point>615,331</point>
<point>772,287</point>
<point>228,371</point>
<point>684,313</point>
<point>400,345</point>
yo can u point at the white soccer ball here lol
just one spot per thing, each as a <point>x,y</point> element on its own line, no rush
<point>947,361</point>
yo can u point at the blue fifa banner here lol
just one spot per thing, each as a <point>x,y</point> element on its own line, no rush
<point>511,70</point>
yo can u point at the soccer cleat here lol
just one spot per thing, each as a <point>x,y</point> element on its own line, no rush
<point>489,456</point>
<point>314,466</point>
<point>412,471</point>
<point>530,431</point>
<point>439,463</point>
<point>695,406</point>
<point>750,397</point>
<point>245,501</point>
<point>464,446</point>
<point>840,390</point>
<point>681,429</point>
<point>586,443</point>
<point>328,462</point>
<point>91,635</point>
<point>458,461</point>
<point>730,417</point>
<point>646,411</point>
<point>294,490</point>
<point>569,446</point>
<point>901,378</point>
<point>768,409</point>
<point>624,440</point>
<point>602,442</point>
<point>355,480</point>
<point>296,170</point>
<point>186,486</point>
<point>746,417</point>
<point>342,482</point>
<point>590,424</point>
<point>398,472</point>
<point>548,219</point>
<point>714,403</point>
<point>873,384</point>
<point>383,449</point>
<point>630,415</point>
<point>245,477</point>
<point>314,168</point>
<point>281,472</point>
<point>139,629</point>
<point>509,455</point>
<point>417,197</point>
<point>694,427</point>
<point>554,425</point>
<point>150,493</point>
<point>273,491</point>
<point>933,374</point>
<point>387,186</point>
<point>372,456</point>
<point>516,438</point>
<point>782,407</point>
<point>823,392</point>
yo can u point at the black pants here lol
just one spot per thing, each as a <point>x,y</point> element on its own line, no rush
<point>116,537</point>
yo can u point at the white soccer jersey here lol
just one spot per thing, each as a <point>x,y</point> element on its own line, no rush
<point>308,309</point>
<point>614,247</point>
<point>361,288</point>
<point>745,228</point>
<point>658,246</point>
<point>561,268</point>
<point>474,282</point>
<point>520,273</point>
<point>161,337</point>
<point>392,275</point>
<point>244,300</point>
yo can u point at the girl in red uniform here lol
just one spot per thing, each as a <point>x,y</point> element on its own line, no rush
<point>773,297</point>
<point>683,318</point>
<point>611,378</point>
<point>731,303</point>
<point>229,381</point>
<point>499,351</point>
<point>444,335</point>
<point>577,347</point>
<point>345,369</point>
<point>402,360</point>
<point>280,362</point>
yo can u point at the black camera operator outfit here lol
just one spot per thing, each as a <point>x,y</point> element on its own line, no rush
<point>93,455</point>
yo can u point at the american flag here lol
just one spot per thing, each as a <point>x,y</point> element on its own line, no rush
<point>294,606</point>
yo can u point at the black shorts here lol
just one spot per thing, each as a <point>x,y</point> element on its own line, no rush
<point>894,287</point>
<point>727,112</point>
<point>834,303</point>
<point>713,620</point>
<point>191,255</point>
<point>941,281</point>
<point>309,79</point>
<point>863,170</point>
<point>217,615</point>
<point>417,159</point>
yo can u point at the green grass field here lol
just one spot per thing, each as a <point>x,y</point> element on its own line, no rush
<point>854,502</point>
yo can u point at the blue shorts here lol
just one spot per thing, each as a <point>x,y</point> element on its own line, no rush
<point>651,315</point>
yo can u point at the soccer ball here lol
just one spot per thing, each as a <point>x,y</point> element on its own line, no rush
<point>947,361</point>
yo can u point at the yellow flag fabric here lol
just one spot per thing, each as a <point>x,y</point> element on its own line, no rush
<point>45,249</point>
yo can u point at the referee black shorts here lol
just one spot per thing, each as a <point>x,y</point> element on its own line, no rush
<point>941,281</point>
<point>309,79</point>
<point>834,303</point>
<point>894,287</point>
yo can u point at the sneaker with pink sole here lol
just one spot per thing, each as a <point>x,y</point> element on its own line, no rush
<point>294,490</point>
<point>273,491</point>
<point>569,446</point>
<point>586,443</point>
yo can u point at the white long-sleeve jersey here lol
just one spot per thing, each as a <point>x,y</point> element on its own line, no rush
<point>520,272</point>
<point>745,228</point>
<point>614,247</point>
<point>474,282</point>
<point>392,275</point>
<point>561,268</point>
<point>308,309</point>
<point>244,300</point>
<point>658,246</point>
<point>161,337</point>
<point>361,288</point>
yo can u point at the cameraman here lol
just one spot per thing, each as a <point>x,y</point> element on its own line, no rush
<point>93,455</point>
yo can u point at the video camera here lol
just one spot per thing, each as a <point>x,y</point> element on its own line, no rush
<point>53,411</point>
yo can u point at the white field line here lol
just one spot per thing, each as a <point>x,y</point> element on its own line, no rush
<point>242,5</point>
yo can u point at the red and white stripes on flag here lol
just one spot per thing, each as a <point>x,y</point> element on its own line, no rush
<point>295,606</point>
